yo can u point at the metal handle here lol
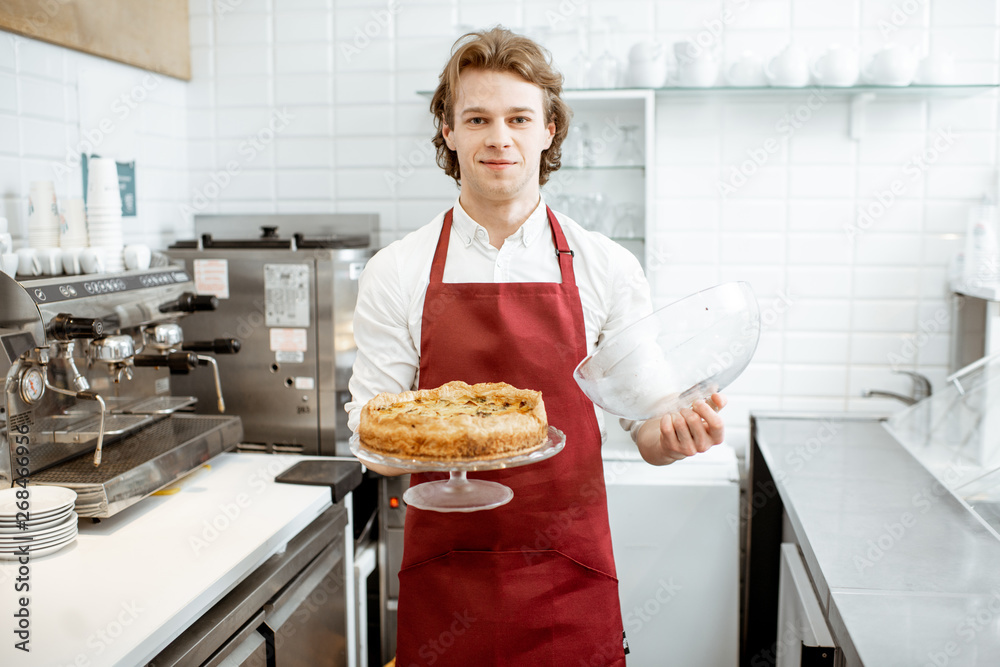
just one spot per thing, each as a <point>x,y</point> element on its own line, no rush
<point>204,359</point>
<point>89,396</point>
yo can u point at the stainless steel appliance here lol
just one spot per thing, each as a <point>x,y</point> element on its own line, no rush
<point>87,364</point>
<point>287,287</point>
<point>392,518</point>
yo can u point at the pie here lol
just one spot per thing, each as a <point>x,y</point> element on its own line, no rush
<point>455,422</point>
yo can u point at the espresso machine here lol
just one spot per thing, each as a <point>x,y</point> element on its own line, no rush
<point>87,364</point>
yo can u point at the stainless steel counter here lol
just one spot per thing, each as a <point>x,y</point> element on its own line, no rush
<point>905,572</point>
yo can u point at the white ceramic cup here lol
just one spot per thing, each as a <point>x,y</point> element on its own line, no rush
<point>28,263</point>
<point>8,263</point>
<point>71,261</point>
<point>6,243</point>
<point>92,260</point>
<point>50,260</point>
<point>137,257</point>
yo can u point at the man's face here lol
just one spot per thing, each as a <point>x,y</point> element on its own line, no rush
<point>499,134</point>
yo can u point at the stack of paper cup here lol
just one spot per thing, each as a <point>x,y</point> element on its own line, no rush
<point>74,228</point>
<point>104,212</point>
<point>43,216</point>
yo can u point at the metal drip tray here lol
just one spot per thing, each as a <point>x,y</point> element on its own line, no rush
<point>77,428</point>
<point>160,405</point>
<point>143,462</point>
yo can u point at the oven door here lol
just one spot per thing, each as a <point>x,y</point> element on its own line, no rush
<point>306,623</point>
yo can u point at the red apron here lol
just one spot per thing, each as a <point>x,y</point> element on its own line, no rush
<point>531,583</point>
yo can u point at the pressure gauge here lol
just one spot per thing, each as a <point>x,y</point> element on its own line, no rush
<point>32,385</point>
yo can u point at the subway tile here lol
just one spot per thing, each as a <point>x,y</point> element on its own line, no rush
<point>892,148</point>
<point>827,315</point>
<point>242,91</point>
<point>479,15</point>
<point>412,213</point>
<point>968,148</point>
<point>200,154</point>
<point>816,348</point>
<point>304,59</point>
<point>902,215</point>
<point>305,206</point>
<point>202,31</point>
<point>301,27</point>
<point>414,86</point>
<point>200,124</point>
<point>876,349</point>
<point>757,380</point>
<point>360,26</point>
<point>40,59</point>
<point>822,149</point>
<point>9,139</point>
<point>770,347</point>
<point>304,184</point>
<point>683,117</point>
<point>363,88</point>
<point>42,138</point>
<point>248,185</point>
<point>820,215</point>
<point>818,248</point>
<point>960,182</point>
<point>676,214</point>
<point>757,118</point>
<point>673,280</point>
<point>761,14</point>
<point>889,16</point>
<point>364,183</point>
<point>8,59</point>
<point>823,182</point>
<point>424,21</point>
<point>364,152</point>
<point>884,316</point>
<point>890,183</point>
<point>824,282</point>
<point>940,249</point>
<point>766,281</point>
<point>243,60</point>
<point>296,153</point>
<point>303,89</point>
<point>822,14</point>
<point>946,216</point>
<point>812,405</point>
<point>422,54</point>
<point>748,152</point>
<point>689,17</point>
<point>294,5</point>
<point>8,92</point>
<point>964,13</point>
<point>376,57</point>
<point>690,149</point>
<point>966,43</point>
<point>761,248</point>
<point>243,122</point>
<point>41,98</point>
<point>768,182</point>
<point>687,181</point>
<point>202,62</point>
<point>815,112</point>
<point>754,215</point>
<point>764,43</point>
<point>309,121</point>
<point>238,29</point>
<point>813,380</point>
<point>422,183</point>
<point>200,7</point>
<point>879,283</point>
<point>414,153</point>
<point>873,249</point>
<point>413,118</point>
<point>898,115</point>
<point>967,113</point>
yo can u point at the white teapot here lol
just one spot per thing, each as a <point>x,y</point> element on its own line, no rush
<point>697,67</point>
<point>746,72</point>
<point>789,69</point>
<point>839,67</point>
<point>894,65</point>
<point>647,65</point>
<point>936,69</point>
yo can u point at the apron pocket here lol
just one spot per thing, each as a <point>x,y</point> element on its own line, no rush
<point>507,608</point>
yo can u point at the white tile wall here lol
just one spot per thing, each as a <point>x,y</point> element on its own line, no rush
<point>846,273</point>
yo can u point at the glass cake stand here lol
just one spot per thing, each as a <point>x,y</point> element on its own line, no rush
<point>459,493</point>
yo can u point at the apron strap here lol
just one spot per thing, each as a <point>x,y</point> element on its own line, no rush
<point>563,253</point>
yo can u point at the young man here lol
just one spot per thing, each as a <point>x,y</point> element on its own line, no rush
<point>500,288</point>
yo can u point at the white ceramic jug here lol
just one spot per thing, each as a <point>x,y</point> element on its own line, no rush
<point>839,67</point>
<point>647,65</point>
<point>747,72</point>
<point>893,65</point>
<point>788,69</point>
<point>697,67</point>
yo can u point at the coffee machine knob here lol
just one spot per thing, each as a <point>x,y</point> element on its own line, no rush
<point>65,327</point>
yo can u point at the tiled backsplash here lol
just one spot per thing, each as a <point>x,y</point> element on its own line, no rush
<point>311,106</point>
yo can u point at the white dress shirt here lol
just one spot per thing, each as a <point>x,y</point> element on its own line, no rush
<point>613,291</point>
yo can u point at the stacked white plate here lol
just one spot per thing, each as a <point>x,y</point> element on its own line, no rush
<point>50,524</point>
<point>43,216</point>
<point>104,212</point>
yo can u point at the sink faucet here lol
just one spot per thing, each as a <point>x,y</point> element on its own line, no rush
<point>921,389</point>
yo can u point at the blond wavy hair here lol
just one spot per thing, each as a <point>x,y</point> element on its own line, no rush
<point>500,50</point>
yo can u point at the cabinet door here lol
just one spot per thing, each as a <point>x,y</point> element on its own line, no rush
<point>804,638</point>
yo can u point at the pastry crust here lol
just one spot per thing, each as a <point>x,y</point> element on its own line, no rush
<point>455,422</point>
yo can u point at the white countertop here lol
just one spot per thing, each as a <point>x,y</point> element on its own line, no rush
<point>132,583</point>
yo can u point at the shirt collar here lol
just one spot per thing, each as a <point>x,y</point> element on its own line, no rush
<point>526,234</point>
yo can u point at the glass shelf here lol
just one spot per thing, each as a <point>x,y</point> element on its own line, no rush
<point>605,167</point>
<point>915,89</point>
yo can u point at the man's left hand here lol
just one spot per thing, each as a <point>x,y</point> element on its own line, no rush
<point>682,434</point>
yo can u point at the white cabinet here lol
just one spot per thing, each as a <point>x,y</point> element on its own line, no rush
<point>606,180</point>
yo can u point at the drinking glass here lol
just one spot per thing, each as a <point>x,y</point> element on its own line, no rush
<point>629,154</point>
